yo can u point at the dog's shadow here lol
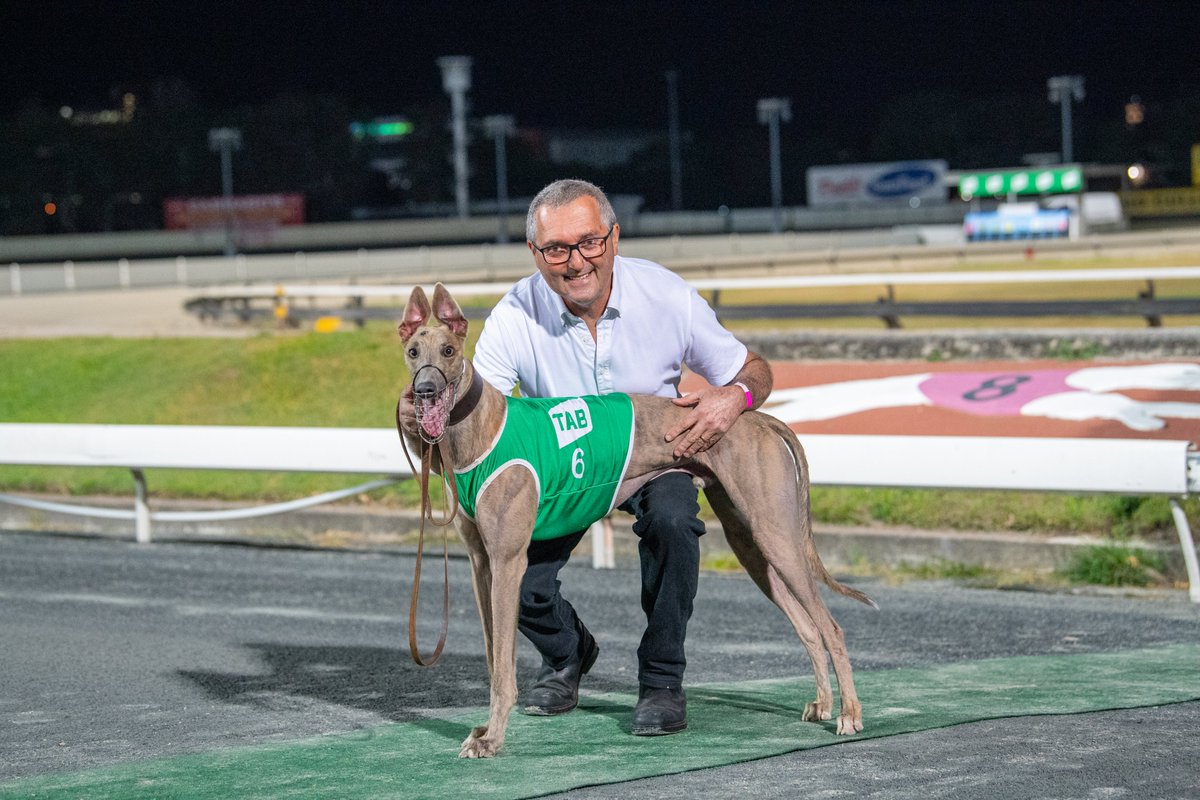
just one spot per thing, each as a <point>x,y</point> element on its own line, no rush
<point>382,681</point>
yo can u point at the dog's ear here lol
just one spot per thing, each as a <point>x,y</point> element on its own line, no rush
<point>415,313</point>
<point>447,311</point>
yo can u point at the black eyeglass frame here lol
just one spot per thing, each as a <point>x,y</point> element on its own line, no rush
<point>603,247</point>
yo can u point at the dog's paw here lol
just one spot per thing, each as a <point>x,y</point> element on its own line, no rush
<point>848,725</point>
<point>813,712</point>
<point>478,745</point>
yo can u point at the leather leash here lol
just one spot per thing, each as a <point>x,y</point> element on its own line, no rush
<point>457,414</point>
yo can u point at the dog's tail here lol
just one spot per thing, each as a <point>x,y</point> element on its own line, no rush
<point>810,544</point>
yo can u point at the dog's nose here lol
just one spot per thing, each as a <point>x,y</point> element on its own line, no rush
<point>424,390</point>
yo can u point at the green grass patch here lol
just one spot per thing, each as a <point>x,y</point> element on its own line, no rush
<point>1116,565</point>
<point>351,379</point>
<point>943,569</point>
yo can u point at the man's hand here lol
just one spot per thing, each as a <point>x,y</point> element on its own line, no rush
<point>406,413</point>
<point>714,410</point>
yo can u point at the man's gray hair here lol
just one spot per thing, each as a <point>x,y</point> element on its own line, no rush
<point>564,192</point>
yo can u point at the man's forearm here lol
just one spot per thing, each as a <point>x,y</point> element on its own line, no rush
<point>756,374</point>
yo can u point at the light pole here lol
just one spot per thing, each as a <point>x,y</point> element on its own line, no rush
<point>500,127</point>
<point>456,80</point>
<point>673,139</point>
<point>772,111</point>
<point>1062,89</point>
<point>225,141</point>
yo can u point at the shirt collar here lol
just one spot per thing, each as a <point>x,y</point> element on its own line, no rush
<point>611,311</point>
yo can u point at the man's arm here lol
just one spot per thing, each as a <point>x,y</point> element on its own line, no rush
<point>715,409</point>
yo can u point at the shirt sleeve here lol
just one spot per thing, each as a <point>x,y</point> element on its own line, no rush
<point>493,359</point>
<point>713,352</point>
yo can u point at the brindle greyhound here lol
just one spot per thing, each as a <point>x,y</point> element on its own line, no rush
<point>756,480</point>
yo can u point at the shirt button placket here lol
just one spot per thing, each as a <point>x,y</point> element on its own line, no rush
<point>604,382</point>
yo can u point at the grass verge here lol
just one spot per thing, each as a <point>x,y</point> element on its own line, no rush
<point>351,380</point>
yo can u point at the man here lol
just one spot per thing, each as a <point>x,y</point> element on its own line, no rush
<point>590,321</point>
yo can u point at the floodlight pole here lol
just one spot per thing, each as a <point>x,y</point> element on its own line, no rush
<point>772,111</point>
<point>673,139</point>
<point>500,127</point>
<point>225,141</point>
<point>456,80</point>
<point>1063,89</point>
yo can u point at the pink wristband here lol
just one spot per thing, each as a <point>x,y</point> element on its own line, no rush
<point>746,389</point>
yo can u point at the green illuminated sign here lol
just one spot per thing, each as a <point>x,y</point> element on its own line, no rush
<point>1032,181</point>
<point>382,129</point>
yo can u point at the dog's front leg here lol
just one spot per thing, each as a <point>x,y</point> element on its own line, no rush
<point>505,516</point>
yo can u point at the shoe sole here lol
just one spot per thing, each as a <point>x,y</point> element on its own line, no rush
<point>540,711</point>
<point>660,731</point>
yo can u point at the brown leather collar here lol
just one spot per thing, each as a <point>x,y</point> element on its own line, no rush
<point>463,408</point>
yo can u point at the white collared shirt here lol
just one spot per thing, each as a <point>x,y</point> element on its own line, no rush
<point>654,323</point>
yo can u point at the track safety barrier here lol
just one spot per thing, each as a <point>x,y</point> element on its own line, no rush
<point>1136,467</point>
<point>284,301</point>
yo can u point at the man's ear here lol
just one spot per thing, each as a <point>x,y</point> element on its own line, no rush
<point>448,312</point>
<point>415,313</point>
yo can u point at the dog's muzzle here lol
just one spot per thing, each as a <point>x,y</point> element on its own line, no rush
<point>434,396</point>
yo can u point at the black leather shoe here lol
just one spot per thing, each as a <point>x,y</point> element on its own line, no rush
<point>556,691</point>
<point>659,711</point>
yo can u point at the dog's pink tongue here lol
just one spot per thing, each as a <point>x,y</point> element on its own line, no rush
<point>433,426</point>
<point>436,415</point>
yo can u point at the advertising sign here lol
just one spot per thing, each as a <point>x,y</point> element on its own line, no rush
<point>869,184</point>
<point>1017,221</point>
<point>1049,180</point>
<point>249,211</point>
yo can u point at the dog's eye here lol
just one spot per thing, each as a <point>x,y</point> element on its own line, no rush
<point>447,351</point>
<point>412,352</point>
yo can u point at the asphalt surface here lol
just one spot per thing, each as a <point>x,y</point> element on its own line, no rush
<point>112,652</point>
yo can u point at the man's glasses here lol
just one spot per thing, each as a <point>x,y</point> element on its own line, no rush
<point>588,248</point>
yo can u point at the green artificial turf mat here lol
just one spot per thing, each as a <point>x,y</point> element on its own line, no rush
<point>728,723</point>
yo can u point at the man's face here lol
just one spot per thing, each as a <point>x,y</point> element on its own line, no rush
<point>583,283</point>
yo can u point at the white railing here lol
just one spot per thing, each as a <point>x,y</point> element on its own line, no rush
<point>287,291</point>
<point>1125,466</point>
<point>209,447</point>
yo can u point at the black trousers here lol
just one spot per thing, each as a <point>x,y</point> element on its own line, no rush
<point>669,530</point>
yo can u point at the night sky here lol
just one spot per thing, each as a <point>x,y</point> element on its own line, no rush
<point>600,64</point>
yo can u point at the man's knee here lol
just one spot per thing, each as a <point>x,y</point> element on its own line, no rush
<point>670,528</point>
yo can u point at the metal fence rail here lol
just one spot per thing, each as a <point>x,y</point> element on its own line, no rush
<point>283,302</point>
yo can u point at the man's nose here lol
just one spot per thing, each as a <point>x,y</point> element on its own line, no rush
<point>576,260</point>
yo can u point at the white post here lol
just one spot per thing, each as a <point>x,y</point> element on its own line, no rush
<point>602,544</point>
<point>456,81</point>
<point>123,273</point>
<point>239,263</point>
<point>69,275</point>
<point>298,260</point>
<point>1189,550</point>
<point>181,270</point>
<point>771,112</point>
<point>141,507</point>
<point>14,277</point>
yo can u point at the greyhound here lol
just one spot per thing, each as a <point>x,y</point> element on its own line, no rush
<point>755,477</point>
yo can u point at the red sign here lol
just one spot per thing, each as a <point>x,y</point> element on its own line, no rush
<point>249,211</point>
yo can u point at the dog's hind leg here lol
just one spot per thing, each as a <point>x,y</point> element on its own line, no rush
<point>741,541</point>
<point>775,506</point>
